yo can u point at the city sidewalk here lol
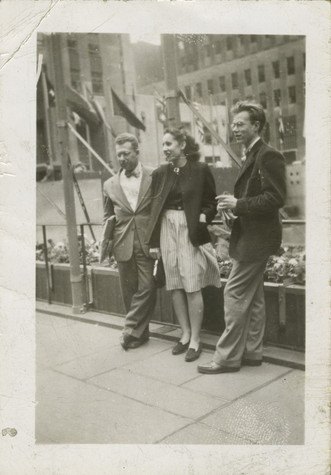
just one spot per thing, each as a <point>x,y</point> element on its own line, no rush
<point>89,390</point>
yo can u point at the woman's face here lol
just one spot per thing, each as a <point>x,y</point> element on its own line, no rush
<point>171,148</point>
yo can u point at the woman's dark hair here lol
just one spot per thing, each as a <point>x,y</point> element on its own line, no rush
<point>191,149</point>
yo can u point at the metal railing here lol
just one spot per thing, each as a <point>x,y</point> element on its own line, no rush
<point>85,275</point>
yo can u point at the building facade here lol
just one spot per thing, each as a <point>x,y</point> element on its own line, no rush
<point>269,69</point>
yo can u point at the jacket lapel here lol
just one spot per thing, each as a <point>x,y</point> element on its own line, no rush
<point>250,159</point>
<point>146,181</point>
<point>120,195</point>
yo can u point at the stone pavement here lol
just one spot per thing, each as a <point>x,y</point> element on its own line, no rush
<point>89,390</point>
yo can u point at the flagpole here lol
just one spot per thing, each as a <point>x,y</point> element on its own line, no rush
<point>170,72</point>
<point>211,130</point>
<point>211,121</point>
<point>157,131</point>
<point>69,199</point>
<point>46,113</point>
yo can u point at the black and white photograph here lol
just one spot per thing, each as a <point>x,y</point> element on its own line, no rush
<point>175,238</point>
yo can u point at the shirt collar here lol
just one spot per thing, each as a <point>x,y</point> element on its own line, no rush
<point>251,145</point>
<point>136,171</point>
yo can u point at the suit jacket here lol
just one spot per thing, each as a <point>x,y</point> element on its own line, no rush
<point>198,191</point>
<point>127,220</point>
<point>261,190</point>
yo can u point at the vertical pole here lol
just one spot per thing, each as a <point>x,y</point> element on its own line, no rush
<point>170,72</point>
<point>69,199</point>
<point>46,113</point>
<point>46,265</point>
<point>211,121</point>
<point>84,265</point>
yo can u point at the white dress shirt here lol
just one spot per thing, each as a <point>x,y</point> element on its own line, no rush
<point>131,185</point>
<point>249,148</point>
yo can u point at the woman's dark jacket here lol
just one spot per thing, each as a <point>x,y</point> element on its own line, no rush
<point>198,191</point>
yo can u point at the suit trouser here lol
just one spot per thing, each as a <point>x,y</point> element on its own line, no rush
<point>138,290</point>
<point>244,314</point>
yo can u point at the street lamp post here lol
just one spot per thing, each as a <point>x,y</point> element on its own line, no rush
<point>170,72</point>
<point>69,199</point>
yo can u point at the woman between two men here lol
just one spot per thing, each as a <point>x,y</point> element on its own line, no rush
<point>183,204</point>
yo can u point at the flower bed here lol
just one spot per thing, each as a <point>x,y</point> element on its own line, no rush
<point>287,268</point>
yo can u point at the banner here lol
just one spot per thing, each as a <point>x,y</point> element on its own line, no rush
<point>120,108</point>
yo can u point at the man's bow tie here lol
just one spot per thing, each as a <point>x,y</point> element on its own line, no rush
<point>134,173</point>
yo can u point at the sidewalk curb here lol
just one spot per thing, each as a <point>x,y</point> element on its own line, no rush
<point>273,355</point>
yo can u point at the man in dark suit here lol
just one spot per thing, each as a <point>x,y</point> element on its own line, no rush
<point>127,195</point>
<point>259,193</point>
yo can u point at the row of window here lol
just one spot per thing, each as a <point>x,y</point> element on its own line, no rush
<point>230,43</point>
<point>277,96</point>
<point>95,66</point>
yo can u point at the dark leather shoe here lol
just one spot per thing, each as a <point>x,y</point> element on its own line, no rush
<point>124,340</point>
<point>180,348</point>
<point>215,368</point>
<point>136,342</point>
<point>193,354</point>
<point>247,362</point>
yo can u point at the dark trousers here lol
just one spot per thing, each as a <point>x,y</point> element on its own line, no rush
<point>244,314</point>
<point>138,290</point>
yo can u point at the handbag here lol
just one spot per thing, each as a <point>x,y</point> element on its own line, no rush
<point>159,274</point>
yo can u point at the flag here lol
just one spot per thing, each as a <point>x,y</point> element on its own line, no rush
<point>79,104</point>
<point>161,108</point>
<point>98,109</point>
<point>50,93</point>
<point>281,128</point>
<point>199,124</point>
<point>120,108</point>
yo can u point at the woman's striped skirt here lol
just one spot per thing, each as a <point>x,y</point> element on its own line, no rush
<point>186,266</point>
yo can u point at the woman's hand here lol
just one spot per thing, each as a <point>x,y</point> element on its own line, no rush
<point>155,252</point>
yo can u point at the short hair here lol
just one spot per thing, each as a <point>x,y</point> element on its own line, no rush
<point>191,150</point>
<point>126,137</point>
<point>255,110</point>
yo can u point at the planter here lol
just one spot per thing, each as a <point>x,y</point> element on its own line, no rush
<point>285,306</point>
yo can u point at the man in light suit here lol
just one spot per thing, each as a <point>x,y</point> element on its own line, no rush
<point>259,193</point>
<point>127,195</point>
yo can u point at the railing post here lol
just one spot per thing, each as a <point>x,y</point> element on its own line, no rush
<point>46,265</point>
<point>85,277</point>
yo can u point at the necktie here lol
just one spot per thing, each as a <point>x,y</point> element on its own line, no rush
<point>130,173</point>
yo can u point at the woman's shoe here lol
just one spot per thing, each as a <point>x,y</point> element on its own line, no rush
<point>193,354</point>
<point>180,348</point>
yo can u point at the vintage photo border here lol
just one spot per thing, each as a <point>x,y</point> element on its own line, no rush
<point>20,21</point>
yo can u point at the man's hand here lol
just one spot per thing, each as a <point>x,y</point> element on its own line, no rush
<point>226,202</point>
<point>155,252</point>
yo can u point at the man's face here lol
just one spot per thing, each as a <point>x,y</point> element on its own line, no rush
<point>127,156</point>
<point>244,130</point>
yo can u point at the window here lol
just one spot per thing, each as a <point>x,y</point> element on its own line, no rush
<point>253,38</point>
<point>290,65</point>
<point>218,47</point>
<point>96,68</point>
<point>242,40</point>
<point>198,89</point>
<point>208,51</point>
<point>263,100</point>
<point>207,136</point>
<point>229,43</point>
<point>304,61</point>
<point>222,83</point>
<point>210,86</point>
<point>248,77</point>
<point>292,95</point>
<point>276,70</point>
<point>74,64</point>
<point>277,97</point>
<point>234,79</point>
<point>188,92</point>
<point>261,73</point>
